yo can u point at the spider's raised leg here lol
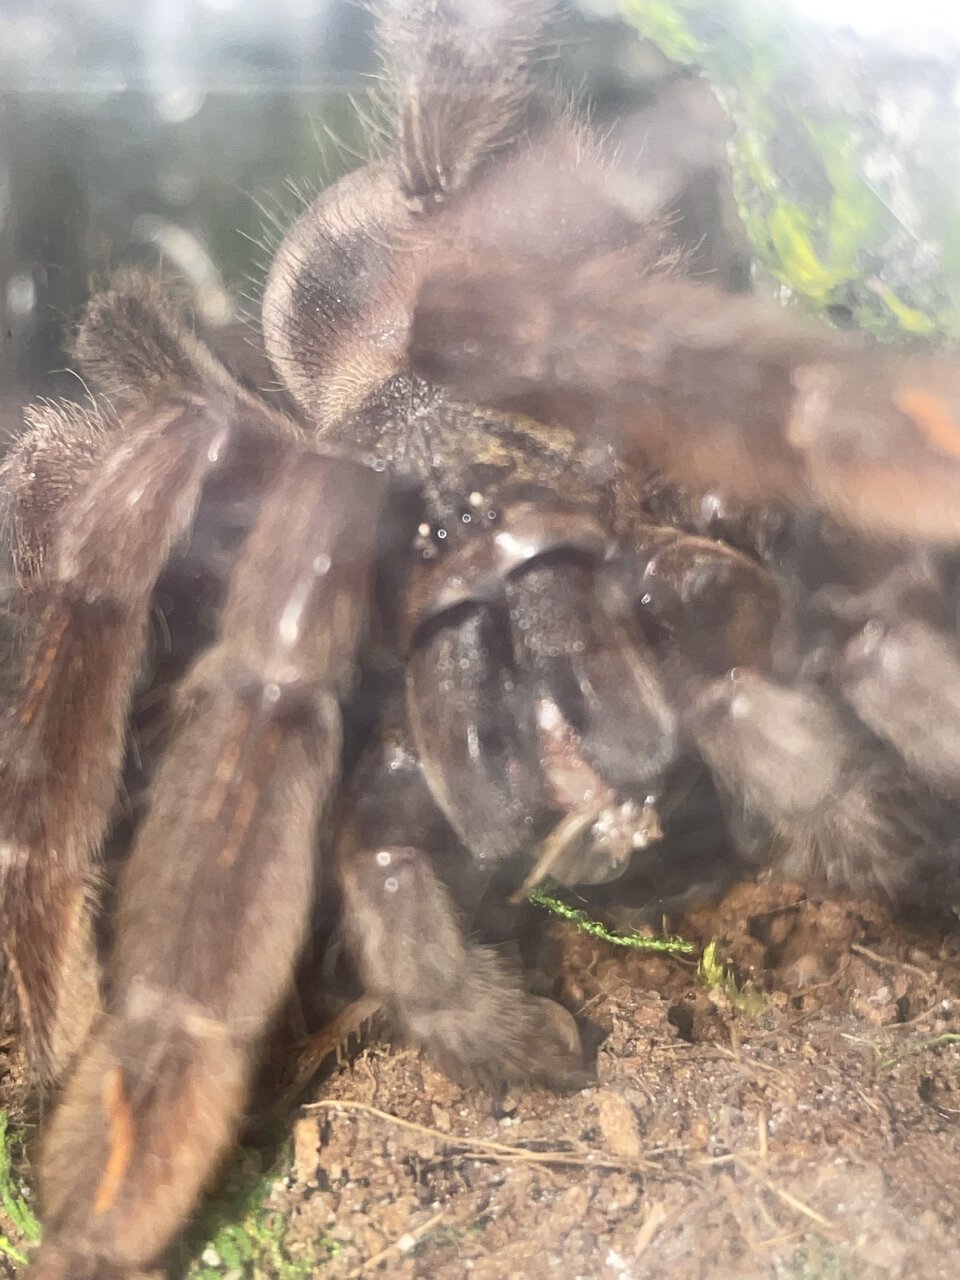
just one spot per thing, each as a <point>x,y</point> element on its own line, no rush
<point>720,391</point>
<point>154,1098</point>
<point>462,71</point>
<point>62,739</point>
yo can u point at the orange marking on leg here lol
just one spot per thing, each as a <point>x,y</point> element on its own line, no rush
<point>247,804</point>
<point>116,1109</point>
<point>226,768</point>
<point>43,669</point>
<point>933,415</point>
<point>242,817</point>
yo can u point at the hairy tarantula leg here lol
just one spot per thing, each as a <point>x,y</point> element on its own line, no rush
<point>50,463</point>
<point>137,350</point>
<point>718,390</point>
<point>462,1002</point>
<point>389,799</point>
<point>462,72</point>
<point>154,1099</point>
<point>903,680</point>
<point>839,808</point>
<point>61,742</point>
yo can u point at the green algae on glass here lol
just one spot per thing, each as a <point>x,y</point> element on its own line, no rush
<point>587,924</point>
<point>15,1211</point>
<point>846,159</point>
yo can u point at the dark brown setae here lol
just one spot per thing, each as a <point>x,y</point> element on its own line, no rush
<point>549,525</point>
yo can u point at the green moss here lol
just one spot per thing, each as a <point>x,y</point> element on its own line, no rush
<point>586,924</point>
<point>716,977</point>
<point>239,1233</point>
<point>16,1216</point>
<point>842,204</point>
<point>664,24</point>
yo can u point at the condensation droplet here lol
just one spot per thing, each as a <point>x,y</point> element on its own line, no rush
<point>384,857</point>
<point>175,105</point>
<point>740,706</point>
<point>21,296</point>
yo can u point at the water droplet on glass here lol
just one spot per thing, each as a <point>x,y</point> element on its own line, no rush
<point>21,296</point>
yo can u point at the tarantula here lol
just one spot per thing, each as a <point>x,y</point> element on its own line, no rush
<point>653,527</point>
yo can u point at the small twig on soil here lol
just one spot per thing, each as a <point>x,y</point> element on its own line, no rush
<point>723,1051</point>
<point>934,1011</point>
<point>653,1220</point>
<point>485,1148</point>
<point>948,1037</point>
<point>756,1174</point>
<point>889,961</point>
<point>403,1244</point>
<point>730,1157</point>
<point>781,1192</point>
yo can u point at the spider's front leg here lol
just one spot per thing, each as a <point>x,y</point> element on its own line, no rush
<point>759,700</point>
<point>215,900</point>
<point>97,559</point>
<point>406,909</point>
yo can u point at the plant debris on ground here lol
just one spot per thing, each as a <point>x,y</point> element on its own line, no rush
<point>787,1107</point>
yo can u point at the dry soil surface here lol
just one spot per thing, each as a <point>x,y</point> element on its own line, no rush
<point>810,1134</point>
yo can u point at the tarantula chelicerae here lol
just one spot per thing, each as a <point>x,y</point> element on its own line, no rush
<point>682,531</point>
